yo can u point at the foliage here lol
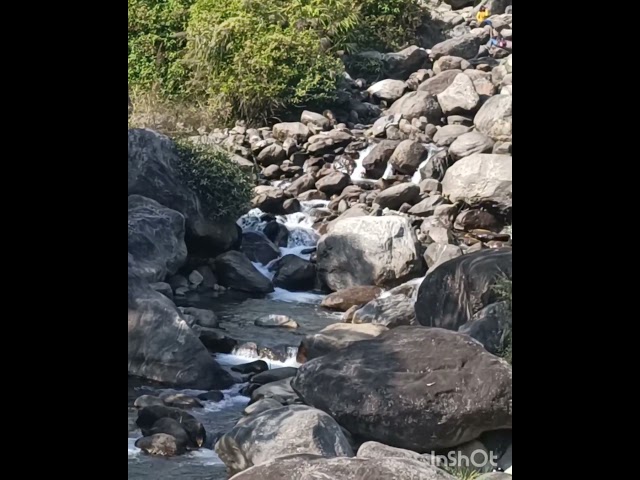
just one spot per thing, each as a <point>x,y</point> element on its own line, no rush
<point>463,473</point>
<point>503,289</point>
<point>223,188</point>
<point>388,25</point>
<point>254,58</point>
<point>156,43</point>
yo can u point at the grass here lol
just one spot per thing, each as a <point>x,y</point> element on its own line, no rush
<point>503,289</point>
<point>463,473</point>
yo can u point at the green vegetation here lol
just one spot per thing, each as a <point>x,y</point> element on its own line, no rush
<point>463,473</point>
<point>252,59</point>
<point>503,289</point>
<point>223,188</point>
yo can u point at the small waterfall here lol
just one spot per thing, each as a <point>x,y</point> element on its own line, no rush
<point>358,174</point>
<point>433,149</point>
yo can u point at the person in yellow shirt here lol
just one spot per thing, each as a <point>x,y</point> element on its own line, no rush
<point>482,15</point>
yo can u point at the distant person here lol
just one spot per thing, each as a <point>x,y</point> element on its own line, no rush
<point>482,15</point>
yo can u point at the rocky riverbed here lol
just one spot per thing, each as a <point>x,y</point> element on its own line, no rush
<point>358,317</point>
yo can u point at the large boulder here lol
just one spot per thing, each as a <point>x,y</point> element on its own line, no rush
<point>269,200</point>
<point>491,326</point>
<point>162,347</point>
<point>388,90</point>
<point>273,154</point>
<point>408,156</point>
<point>327,142</point>
<point>439,83</point>
<point>448,134</point>
<point>481,180</point>
<point>403,63</point>
<point>282,431</point>
<point>296,131</point>
<point>317,119</point>
<point>417,104</point>
<point>156,239</point>
<point>350,297</point>
<point>152,173</point>
<point>312,467</point>
<point>294,273</point>
<point>381,251</point>
<point>396,196</point>
<point>390,311</point>
<point>469,143</point>
<point>460,97</point>
<point>236,271</point>
<point>335,337</point>
<point>458,289</point>
<point>300,185</point>
<point>465,46</point>
<point>258,248</point>
<point>333,184</point>
<point>495,118</point>
<point>375,163</point>
<point>416,388</point>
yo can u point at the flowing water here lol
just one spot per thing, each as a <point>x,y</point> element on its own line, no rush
<point>237,315</point>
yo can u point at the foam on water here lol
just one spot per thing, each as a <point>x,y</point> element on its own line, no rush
<point>239,357</point>
<point>282,295</point>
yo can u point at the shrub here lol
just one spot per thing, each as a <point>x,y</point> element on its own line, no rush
<point>463,473</point>
<point>503,289</point>
<point>254,58</point>
<point>156,44</point>
<point>223,188</point>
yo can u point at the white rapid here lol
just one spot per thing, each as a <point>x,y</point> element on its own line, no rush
<point>433,149</point>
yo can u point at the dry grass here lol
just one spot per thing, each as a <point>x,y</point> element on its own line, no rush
<point>171,117</point>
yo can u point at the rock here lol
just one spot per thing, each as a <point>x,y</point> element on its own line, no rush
<point>304,183</point>
<point>163,288</point>
<point>506,461</point>
<point>314,467</point>
<point>455,291</point>
<point>273,154</point>
<point>278,432</point>
<point>276,321</point>
<point>481,180</point>
<point>272,172</point>
<point>482,83</point>
<point>448,134</point>
<point>388,90</point>
<point>404,63</point>
<point>274,375</point>
<point>261,406</point>
<point>395,196</point>
<point>355,296</point>
<point>335,337</point>
<point>491,326</point>
<point>169,426</point>
<point>334,183</point>
<point>328,142</point>
<point>215,341</point>
<point>417,104</point>
<point>258,366</point>
<point>149,416</point>
<point>296,131</point>
<point>235,271</point>
<point>258,248</point>
<point>439,83</point>
<point>160,444</point>
<point>447,63</point>
<point>469,143</point>
<point>311,195</point>
<point>438,253</point>
<point>458,4</point>
<point>277,233</point>
<point>204,318</point>
<point>291,205</point>
<point>312,118</point>
<point>209,280</point>
<point>380,126</point>
<point>162,347</point>
<point>438,234</point>
<point>502,148</point>
<point>212,396</point>
<point>429,389</point>
<point>381,251</point>
<point>269,200</point>
<point>430,185</point>
<point>426,207</point>
<point>495,118</point>
<point>478,219</point>
<point>460,97</point>
<point>179,400</point>
<point>147,401</point>
<point>436,167</point>
<point>390,311</point>
<point>408,156</point>
<point>465,46</point>
<point>375,163</point>
<point>156,239</point>
<point>378,450</point>
<point>495,476</point>
<point>152,173</point>
<point>294,274</point>
<point>280,390</point>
